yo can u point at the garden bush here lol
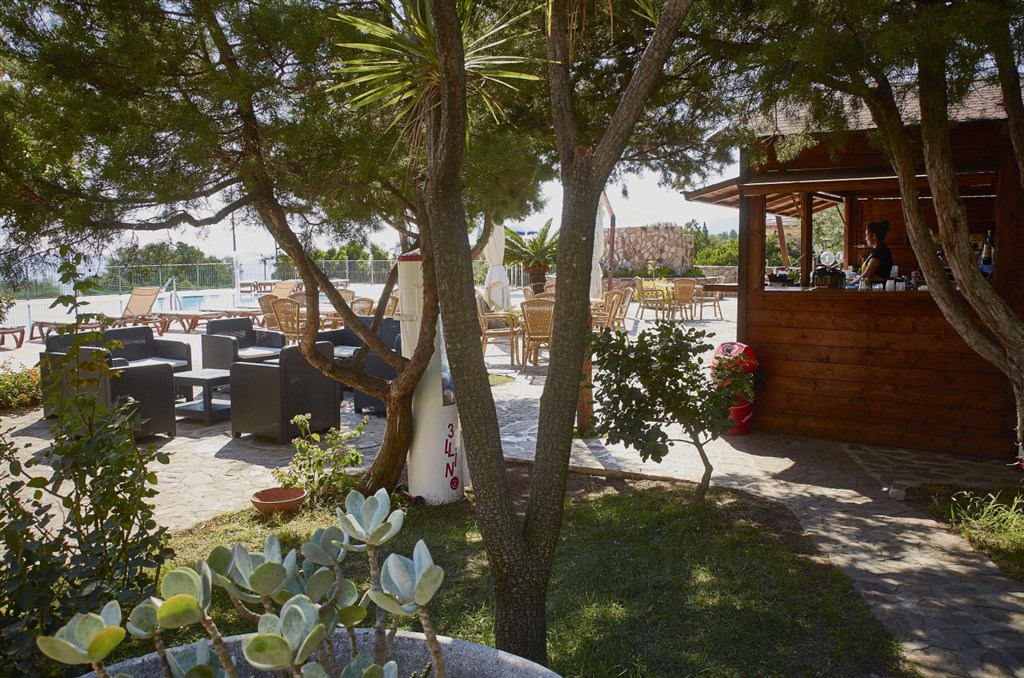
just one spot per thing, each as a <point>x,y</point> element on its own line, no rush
<point>81,532</point>
<point>18,387</point>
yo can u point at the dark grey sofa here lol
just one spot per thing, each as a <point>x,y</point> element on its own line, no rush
<point>230,340</point>
<point>151,386</point>
<point>139,348</point>
<point>265,396</point>
<point>391,334</point>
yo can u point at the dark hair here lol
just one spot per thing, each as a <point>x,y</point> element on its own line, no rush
<point>879,228</point>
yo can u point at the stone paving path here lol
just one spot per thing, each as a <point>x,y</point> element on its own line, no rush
<point>955,614</point>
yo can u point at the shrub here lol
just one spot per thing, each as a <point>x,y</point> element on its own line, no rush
<point>318,465</point>
<point>7,302</point>
<point>657,380</point>
<point>693,272</point>
<point>19,388</point>
<point>664,272</point>
<point>85,534</point>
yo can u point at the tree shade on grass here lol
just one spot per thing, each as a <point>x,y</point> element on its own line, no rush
<point>644,584</point>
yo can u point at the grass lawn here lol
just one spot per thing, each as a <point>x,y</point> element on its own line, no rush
<point>644,584</point>
<point>991,520</point>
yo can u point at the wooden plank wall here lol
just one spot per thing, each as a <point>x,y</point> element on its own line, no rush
<point>875,367</point>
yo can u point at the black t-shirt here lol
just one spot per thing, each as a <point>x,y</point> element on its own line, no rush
<point>884,256</point>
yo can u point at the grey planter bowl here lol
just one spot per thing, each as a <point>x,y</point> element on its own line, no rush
<point>462,659</point>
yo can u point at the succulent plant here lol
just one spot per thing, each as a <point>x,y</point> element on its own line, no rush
<point>251,577</point>
<point>367,519</point>
<point>363,667</point>
<point>325,547</point>
<point>186,597</point>
<point>87,638</point>
<point>408,584</point>
<point>195,661</point>
<point>287,640</point>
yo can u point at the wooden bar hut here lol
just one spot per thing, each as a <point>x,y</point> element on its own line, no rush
<point>880,367</point>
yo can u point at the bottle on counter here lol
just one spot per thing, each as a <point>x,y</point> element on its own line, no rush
<point>988,249</point>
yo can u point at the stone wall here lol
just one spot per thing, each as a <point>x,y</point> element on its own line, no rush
<point>730,274</point>
<point>635,246</point>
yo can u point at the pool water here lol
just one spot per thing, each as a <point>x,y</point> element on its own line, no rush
<point>215,299</point>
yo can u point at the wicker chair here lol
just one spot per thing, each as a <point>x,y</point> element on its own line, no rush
<point>538,320</point>
<point>550,296</point>
<point>230,340</point>
<point>650,297</point>
<point>620,314</point>
<point>605,317</point>
<point>498,327</point>
<point>362,306</point>
<point>348,295</point>
<point>528,293</point>
<point>392,306</point>
<point>549,286</point>
<point>712,299</point>
<point>299,297</point>
<point>290,318</point>
<point>265,397</point>
<point>683,302</point>
<point>269,319</point>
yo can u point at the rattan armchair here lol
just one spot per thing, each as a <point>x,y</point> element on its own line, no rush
<point>496,328</point>
<point>651,297</point>
<point>605,317</point>
<point>713,299</point>
<point>620,313</point>
<point>150,386</point>
<point>683,302</point>
<point>538,321</point>
<point>290,318</point>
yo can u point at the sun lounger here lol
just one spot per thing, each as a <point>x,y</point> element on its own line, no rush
<point>43,328</point>
<point>17,332</point>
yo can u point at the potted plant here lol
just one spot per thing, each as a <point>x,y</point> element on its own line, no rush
<point>317,470</point>
<point>536,254</point>
<point>304,610</point>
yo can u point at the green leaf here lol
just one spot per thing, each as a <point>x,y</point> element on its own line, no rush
<point>267,578</point>
<point>104,642</point>
<point>316,554</point>
<point>351,615</point>
<point>200,672</point>
<point>142,621</point>
<point>38,482</point>
<point>178,611</point>
<point>182,580</point>
<point>311,642</point>
<point>387,602</point>
<point>428,584</point>
<point>61,650</point>
<point>267,652</point>
<point>111,613</point>
<point>319,583</point>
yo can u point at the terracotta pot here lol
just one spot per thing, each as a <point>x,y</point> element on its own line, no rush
<point>276,499</point>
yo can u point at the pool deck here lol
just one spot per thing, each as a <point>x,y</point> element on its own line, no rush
<point>954,612</point>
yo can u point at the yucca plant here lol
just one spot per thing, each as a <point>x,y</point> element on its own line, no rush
<point>403,67</point>
<point>536,254</point>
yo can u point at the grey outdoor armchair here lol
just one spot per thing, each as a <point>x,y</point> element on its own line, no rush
<point>230,340</point>
<point>265,396</point>
<point>390,333</point>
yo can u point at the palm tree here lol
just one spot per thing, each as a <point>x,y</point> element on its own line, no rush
<point>536,255</point>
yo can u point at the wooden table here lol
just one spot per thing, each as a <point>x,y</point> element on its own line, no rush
<point>722,287</point>
<point>208,409</point>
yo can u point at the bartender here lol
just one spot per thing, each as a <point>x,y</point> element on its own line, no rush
<point>878,264</point>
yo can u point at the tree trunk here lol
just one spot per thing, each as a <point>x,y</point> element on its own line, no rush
<point>387,466</point>
<point>538,275</point>
<point>515,626</point>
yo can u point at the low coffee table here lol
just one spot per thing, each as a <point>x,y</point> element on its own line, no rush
<point>208,409</point>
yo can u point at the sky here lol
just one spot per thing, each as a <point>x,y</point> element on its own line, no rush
<point>647,203</point>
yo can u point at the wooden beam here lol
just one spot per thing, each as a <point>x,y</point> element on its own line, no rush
<point>806,234</point>
<point>782,241</point>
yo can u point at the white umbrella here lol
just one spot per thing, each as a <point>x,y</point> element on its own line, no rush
<point>496,287</point>
<point>596,289</point>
